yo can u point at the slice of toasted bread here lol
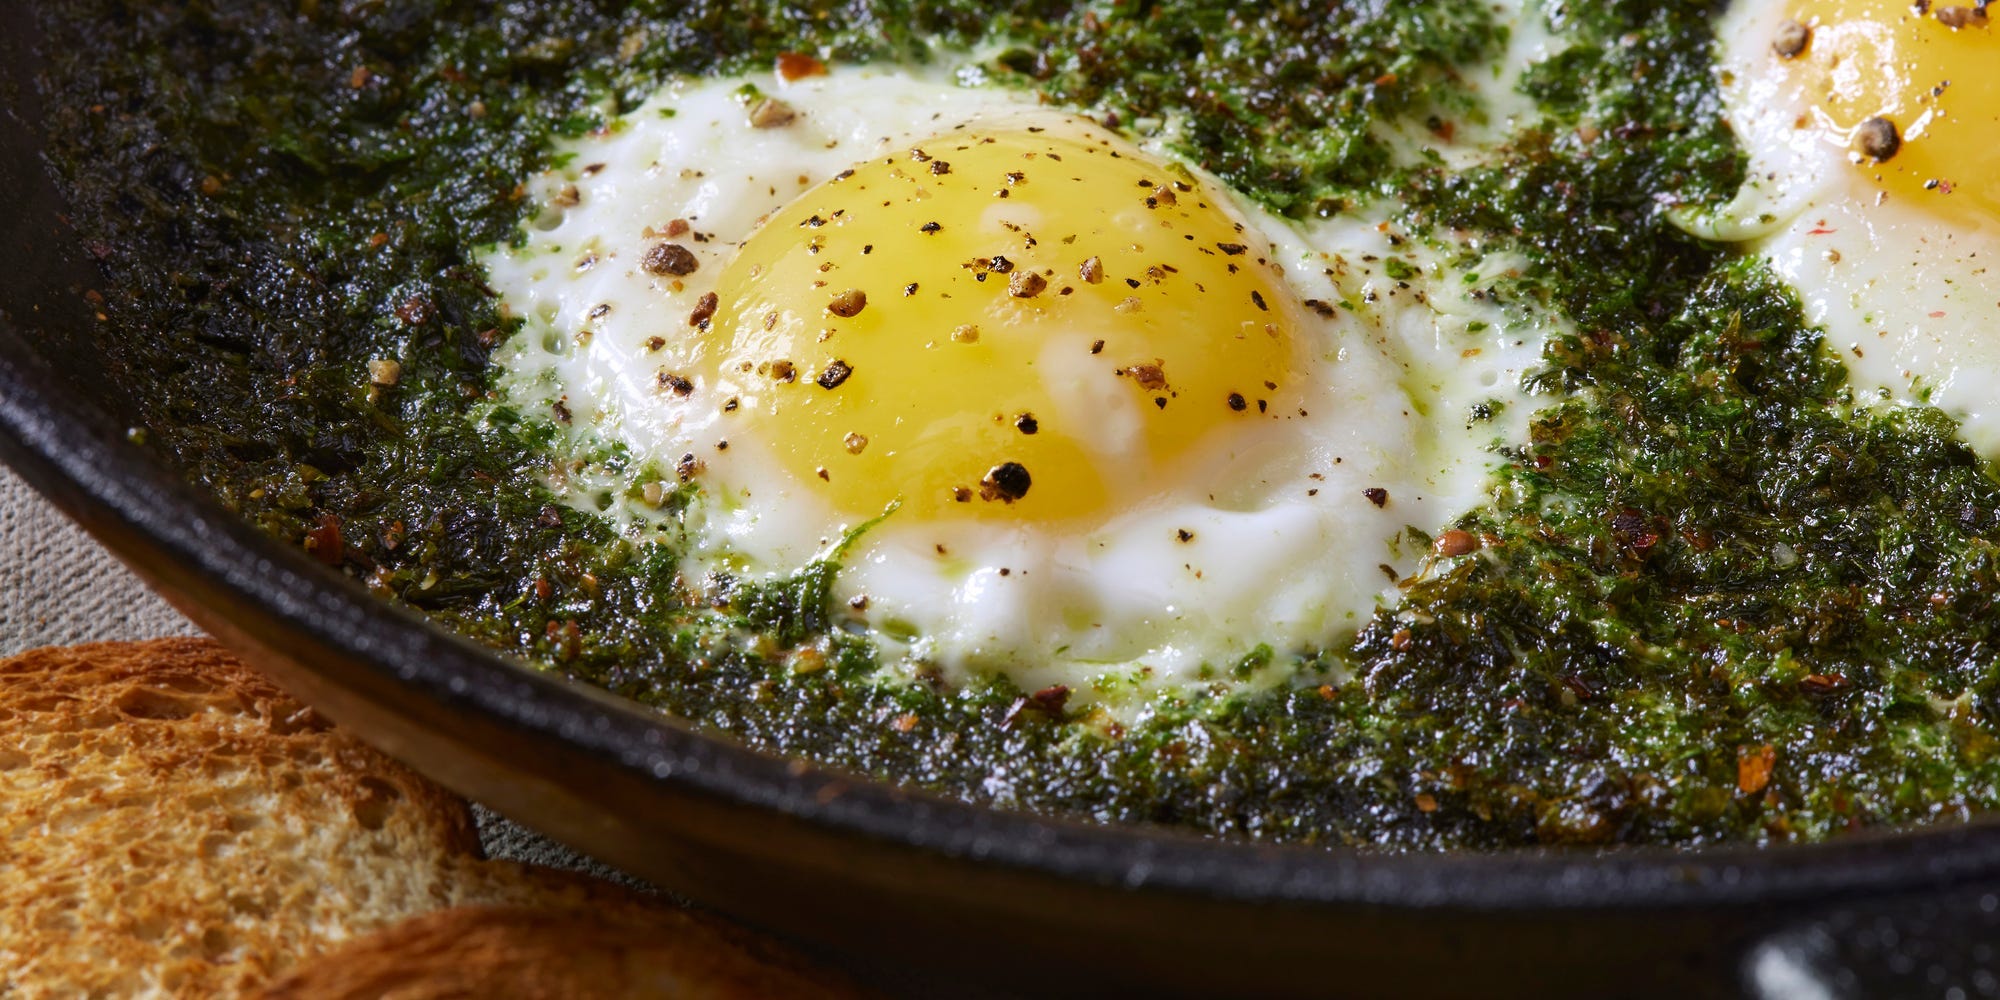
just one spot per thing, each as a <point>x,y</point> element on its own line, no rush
<point>617,951</point>
<point>175,825</point>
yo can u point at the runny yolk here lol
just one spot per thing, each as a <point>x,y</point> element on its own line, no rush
<point>1929,71</point>
<point>1029,323</point>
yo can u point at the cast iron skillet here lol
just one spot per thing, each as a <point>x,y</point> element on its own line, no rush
<point>895,877</point>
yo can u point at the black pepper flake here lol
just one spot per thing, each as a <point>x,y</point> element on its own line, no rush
<point>1258,297</point>
<point>688,467</point>
<point>1131,282</point>
<point>704,310</point>
<point>940,167</point>
<point>1232,249</point>
<point>1026,285</point>
<point>561,408</point>
<point>1184,535</point>
<point>835,372</point>
<point>1791,40</point>
<point>999,264</point>
<point>1878,139</point>
<point>1027,424</point>
<point>1263,406</point>
<point>1006,482</point>
<point>930,227</point>
<point>1237,402</point>
<point>784,371</point>
<point>961,494</point>
<point>1097,347</point>
<point>1160,402</point>
<point>730,405</point>
<point>1376,495</point>
<point>678,383</point>
<point>848,304</point>
<point>670,258</point>
<point>1091,271</point>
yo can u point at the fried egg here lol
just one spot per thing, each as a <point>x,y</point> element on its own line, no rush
<point>1872,129</point>
<point>1062,406</point>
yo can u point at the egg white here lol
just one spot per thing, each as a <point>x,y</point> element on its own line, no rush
<point>1276,544</point>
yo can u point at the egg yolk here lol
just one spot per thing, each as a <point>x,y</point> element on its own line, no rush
<point>1913,89</point>
<point>1029,323</point>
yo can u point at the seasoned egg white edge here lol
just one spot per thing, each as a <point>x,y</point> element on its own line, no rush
<point>1298,553</point>
<point>1908,300</point>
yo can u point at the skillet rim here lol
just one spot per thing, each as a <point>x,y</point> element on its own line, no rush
<point>68,449</point>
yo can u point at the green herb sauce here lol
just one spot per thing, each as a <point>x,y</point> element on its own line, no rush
<point>1718,601</point>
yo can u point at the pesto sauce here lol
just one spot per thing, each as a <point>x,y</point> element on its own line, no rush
<point>1716,602</point>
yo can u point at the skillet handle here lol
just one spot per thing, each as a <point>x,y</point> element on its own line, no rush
<point>1943,944</point>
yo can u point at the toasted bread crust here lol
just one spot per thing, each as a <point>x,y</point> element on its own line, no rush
<point>618,951</point>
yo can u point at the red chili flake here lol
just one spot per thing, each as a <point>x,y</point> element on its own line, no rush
<point>1376,495</point>
<point>325,543</point>
<point>798,66</point>
<point>1091,271</point>
<point>670,258</point>
<point>1754,766</point>
<point>677,227</point>
<point>1634,530</point>
<point>704,310</point>
<point>1051,699</point>
<point>1150,377</point>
